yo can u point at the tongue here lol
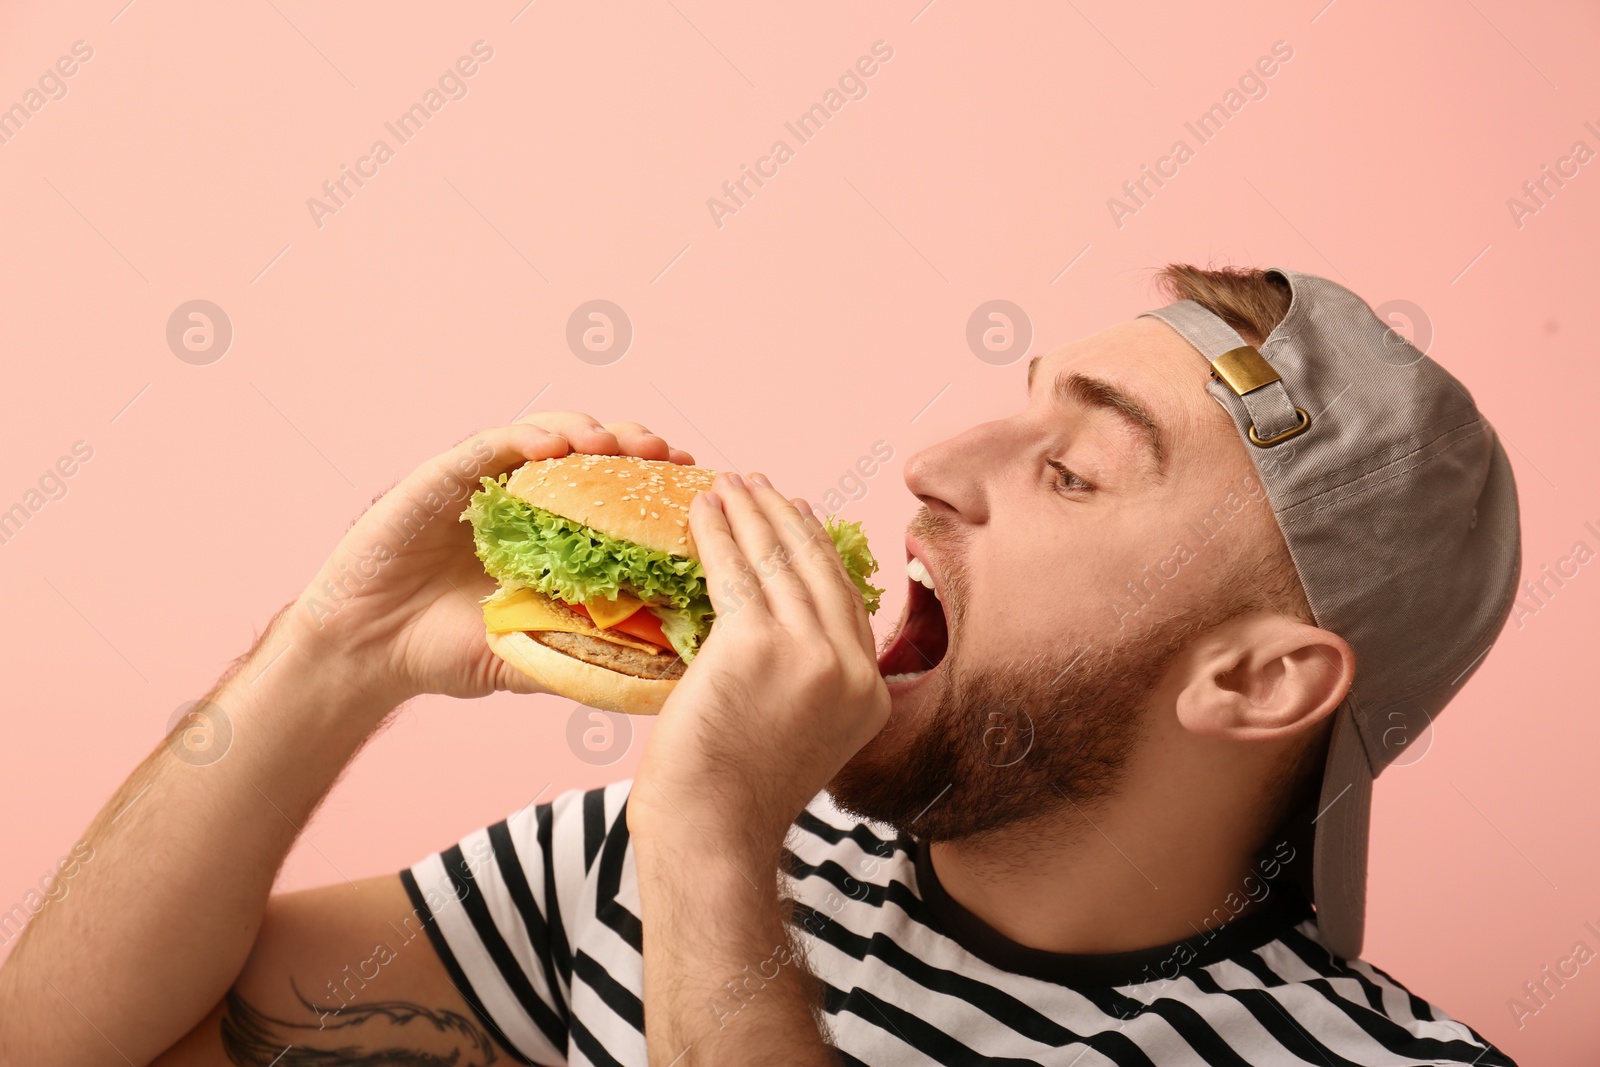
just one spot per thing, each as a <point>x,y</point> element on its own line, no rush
<point>927,635</point>
<point>923,640</point>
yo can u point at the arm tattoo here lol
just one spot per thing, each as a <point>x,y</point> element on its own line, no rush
<point>391,1033</point>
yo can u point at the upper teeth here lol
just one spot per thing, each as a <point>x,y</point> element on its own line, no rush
<point>917,571</point>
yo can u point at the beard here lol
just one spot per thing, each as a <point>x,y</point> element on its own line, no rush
<point>1006,745</point>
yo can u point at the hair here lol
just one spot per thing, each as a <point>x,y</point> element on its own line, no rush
<point>1253,302</point>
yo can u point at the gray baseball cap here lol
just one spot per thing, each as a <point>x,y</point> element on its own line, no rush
<point>1400,512</point>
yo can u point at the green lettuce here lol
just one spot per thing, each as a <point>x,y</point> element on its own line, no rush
<point>523,546</point>
<point>858,562</point>
<point>685,628</point>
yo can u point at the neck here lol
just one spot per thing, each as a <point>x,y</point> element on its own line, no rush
<point>1129,875</point>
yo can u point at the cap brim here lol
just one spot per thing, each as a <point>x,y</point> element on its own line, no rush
<point>1340,853</point>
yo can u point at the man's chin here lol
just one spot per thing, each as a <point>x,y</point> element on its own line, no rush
<point>972,751</point>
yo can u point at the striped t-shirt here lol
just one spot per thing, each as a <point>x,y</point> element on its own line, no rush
<point>536,919</point>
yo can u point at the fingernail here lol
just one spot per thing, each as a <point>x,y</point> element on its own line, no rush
<point>761,479</point>
<point>730,481</point>
<point>711,498</point>
<point>804,507</point>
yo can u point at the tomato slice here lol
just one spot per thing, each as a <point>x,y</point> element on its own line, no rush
<point>642,624</point>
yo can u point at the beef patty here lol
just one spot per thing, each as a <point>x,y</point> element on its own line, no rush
<point>613,657</point>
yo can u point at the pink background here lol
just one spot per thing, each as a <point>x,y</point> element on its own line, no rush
<point>822,317</point>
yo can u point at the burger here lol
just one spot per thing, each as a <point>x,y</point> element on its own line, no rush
<point>601,594</point>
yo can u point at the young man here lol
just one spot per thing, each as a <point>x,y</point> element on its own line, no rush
<point>1167,622</point>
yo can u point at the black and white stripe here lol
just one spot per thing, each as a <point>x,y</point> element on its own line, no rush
<point>536,920</point>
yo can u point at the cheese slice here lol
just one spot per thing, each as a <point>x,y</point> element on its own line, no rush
<point>528,610</point>
<point>607,613</point>
<point>525,609</point>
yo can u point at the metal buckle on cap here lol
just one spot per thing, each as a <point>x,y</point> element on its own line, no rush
<point>1244,370</point>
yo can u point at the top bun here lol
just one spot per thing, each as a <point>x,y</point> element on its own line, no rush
<point>645,501</point>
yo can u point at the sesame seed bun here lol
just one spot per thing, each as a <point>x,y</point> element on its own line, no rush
<point>645,501</point>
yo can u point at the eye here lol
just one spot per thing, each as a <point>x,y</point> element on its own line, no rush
<point>1066,481</point>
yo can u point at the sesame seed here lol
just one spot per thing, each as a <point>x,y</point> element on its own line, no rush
<point>599,503</point>
<point>655,514</point>
<point>681,540</point>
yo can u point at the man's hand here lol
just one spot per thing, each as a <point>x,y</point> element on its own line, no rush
<point>397,601</point>
<point>159,926</point>
<point>784,692</point>
<point>786,689</point>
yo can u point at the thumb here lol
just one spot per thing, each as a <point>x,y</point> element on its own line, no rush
<point>487,453</point>
<point>442,485</point>
<point>508,679</point>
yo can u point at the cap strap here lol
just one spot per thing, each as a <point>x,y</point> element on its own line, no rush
<point>1274,418</point>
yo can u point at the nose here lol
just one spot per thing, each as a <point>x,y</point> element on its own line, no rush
<point>951,478</point>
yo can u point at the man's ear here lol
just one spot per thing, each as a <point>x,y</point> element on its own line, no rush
<point>1262,676</point>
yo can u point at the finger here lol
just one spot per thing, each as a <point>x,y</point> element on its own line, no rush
<point>849,600</point>
<point>583,431</point>
<point>678,455</point>
<point>837,601</point>
<point>507,678</point>
<point>442,486</point>
<point>787,595</point>
<point>487,453</point>
<point>636,440</point>
<point>730,582</point>
<point>785,519</point>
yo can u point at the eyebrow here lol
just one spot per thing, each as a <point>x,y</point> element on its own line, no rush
<point>1101,394</point>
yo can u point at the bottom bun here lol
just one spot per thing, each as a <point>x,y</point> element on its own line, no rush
<point>574,679</point>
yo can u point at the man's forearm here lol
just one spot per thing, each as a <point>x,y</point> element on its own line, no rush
<point>158,925</point>
<point>723,978</point>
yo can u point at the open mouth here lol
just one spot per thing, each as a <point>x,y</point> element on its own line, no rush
<point>923,637</point>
